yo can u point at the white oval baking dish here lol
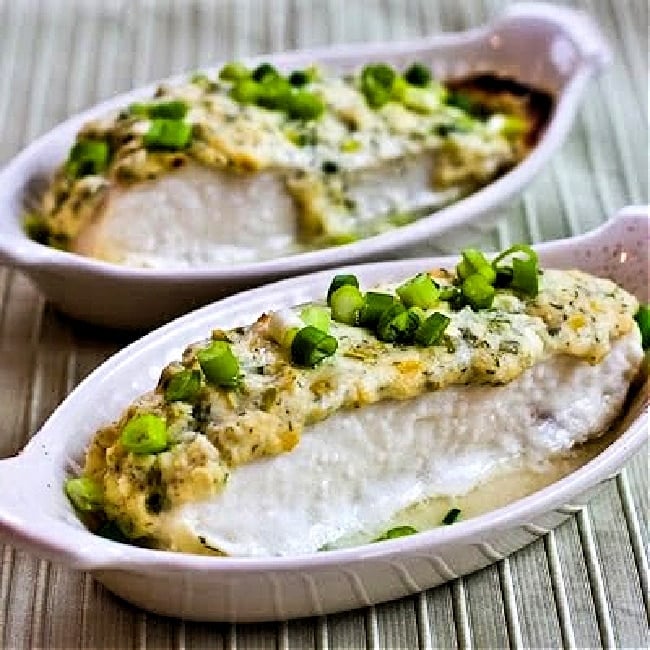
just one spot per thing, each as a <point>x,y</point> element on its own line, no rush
<point>35,514</point>
<point>545,46</point>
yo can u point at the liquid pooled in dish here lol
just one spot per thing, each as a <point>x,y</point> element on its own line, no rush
<point>323,424</point>
<point>256,164</point>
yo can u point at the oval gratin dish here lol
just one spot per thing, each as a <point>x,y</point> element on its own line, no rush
<point>35,514</point>
<point>545,46</point>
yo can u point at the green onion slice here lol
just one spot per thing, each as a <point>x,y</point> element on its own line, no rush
<point>317,316</point>
<point>299,78</point>
<point>346,303</point>
<point>449,292</point>
<point>167,134</point>
<point>234,71</point>
<point>642,318</point>
<point>87,158</point>
<point>451,517</point>
<point>265,72</point>
<point>338,281</point>
<point>311,345</point>
<point>377,81</point>
<point>36,228</point>
<point>174,109</point>
<point>374,305</point>
<point>183,386</point>
<point>274,93</point>
<point>475,262</point>
<point>145,434</point>
<point>219,364</point>
<point>398,531</point>
<point>420,291</point>
<point>431,330</point>
<point>525,277</point>
<point>527,251</point>
<point>303,105</point>
<point>398,324</point>
<point>418,75</point>
<point>85,493</point>
<point>477,291</point>
<point>245,91</point>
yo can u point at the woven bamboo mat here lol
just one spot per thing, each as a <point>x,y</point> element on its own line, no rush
<point>584,585</point>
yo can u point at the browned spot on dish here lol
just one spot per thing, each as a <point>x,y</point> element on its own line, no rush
<point>494,93</point>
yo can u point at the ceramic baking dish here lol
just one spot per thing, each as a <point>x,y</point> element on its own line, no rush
<point>35,514</point>
<point>545,46</point>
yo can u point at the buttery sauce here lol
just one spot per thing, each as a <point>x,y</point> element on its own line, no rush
<point>505,487</point>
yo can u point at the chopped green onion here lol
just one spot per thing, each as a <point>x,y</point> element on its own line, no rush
<point>504,277</point>
<point>525,278</point>
<point>36,228</point>
<point>174,109</point>
<point>346,303</point>
<point>304,105</point>
<point>311,345</point>
<point>421,100</point>
<point>85,493</point>
<point>523,275</point>
<point>398,531</point>
<point>144,434</point>
<point>513,126</point>
<point>168,134</point>
<point>234,71</point>
<point>374,305</point>
<point>274,93</point>
<point>299,78</point>
<point>453,295</point>
<point>219,364</point>
<point>340,280</point>
<point>448,293</point>
<point>477,291</point>
<point>510,252</point>
<point>139,109</point>
<point>461,100</point>
<point>398,324</point>
<point>288,336</point>
<point>316,316</point>
<point>642,318</point>
<point>377,81</point>
<point>451,517</point>
<point>431,330</point>
<point>245,91</point>
<point>350,145</point>
<point>418,75</point>
<point>420,291</point>
<point>183,386</point>
<point>475,262</point>
<point>265,72</point>
<point>87,158</point>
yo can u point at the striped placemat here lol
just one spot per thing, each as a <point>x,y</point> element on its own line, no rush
<point>583,585</point>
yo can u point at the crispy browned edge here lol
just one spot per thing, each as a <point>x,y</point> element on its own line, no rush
<point>496,92</point>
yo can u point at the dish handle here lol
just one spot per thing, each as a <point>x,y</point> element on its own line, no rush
<point>31,518</point>
<point>579,26</point>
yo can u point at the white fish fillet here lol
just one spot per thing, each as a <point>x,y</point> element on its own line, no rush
<point>359,468</point>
